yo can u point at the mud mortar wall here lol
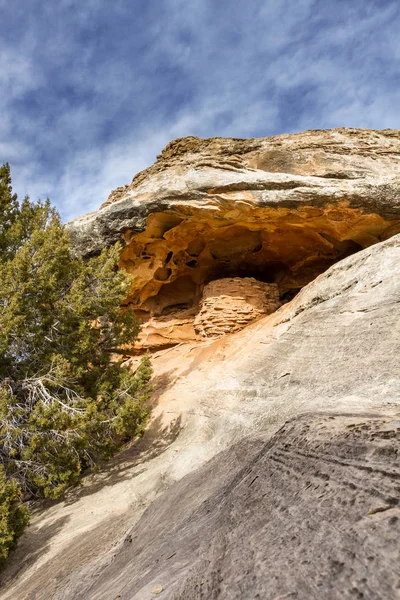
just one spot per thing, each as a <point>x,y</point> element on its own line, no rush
<point>230,304</point>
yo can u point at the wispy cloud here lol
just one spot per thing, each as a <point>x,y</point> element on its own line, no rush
<point>92,91</point>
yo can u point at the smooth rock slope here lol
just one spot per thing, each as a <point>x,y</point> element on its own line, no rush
<point>271,466</point>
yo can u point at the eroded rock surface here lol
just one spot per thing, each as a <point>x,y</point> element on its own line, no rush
<point>312,513</point>
<point>280,209</point>
<point>270,468</point>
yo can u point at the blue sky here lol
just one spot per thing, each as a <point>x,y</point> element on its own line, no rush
<point>92,90</point>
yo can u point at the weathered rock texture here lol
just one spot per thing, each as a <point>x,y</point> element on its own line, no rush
<point>193,177</point>
<point>166,330</point>
<point>312,513</point>
<point>280,209</point>
<point>270,468</point>
<point>230,304</point>
<point>310,510</point>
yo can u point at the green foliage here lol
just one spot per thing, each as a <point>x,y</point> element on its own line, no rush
<point>66,402</point>
<point>14,516</point>
<point>8,207</point>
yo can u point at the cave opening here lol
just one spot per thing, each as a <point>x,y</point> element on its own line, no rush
<point>267,272</point>
<point>172,266</point>
<point>238,252</point>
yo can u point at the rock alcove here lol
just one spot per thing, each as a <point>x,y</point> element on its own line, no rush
<point>176,257</point>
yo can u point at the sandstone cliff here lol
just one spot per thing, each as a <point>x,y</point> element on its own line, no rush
<point>271,466</point>
<point>280,210</point>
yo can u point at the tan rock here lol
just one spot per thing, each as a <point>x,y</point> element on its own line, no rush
<point>267,448</point>
<point>157,589</point>
<point>229,178</point>
<point>230,304</point>
<point>166,331</point>
<point>280,209</point>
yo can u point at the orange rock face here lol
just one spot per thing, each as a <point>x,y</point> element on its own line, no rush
<point>167,330</point>
<point>171,260</point>
<point>230,304</point>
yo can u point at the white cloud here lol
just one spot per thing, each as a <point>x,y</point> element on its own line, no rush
<point>94,93</point>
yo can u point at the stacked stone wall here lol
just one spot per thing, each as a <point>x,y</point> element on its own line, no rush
<point>230,304</point>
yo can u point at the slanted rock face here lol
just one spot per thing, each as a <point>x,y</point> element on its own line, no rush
<point>299,412</point>
<point>230,304</point>
<point>318,493</point>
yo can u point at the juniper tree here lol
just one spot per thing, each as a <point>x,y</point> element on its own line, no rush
<point>14,515</point>
<point>66,402</point>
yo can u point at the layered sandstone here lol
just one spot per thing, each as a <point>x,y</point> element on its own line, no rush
<point>230,304</point>
<point>228,178</point>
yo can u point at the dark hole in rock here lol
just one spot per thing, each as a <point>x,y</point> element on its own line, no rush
<point>351,247</point>
<point>162,274</point>
<point>181,291</point>
<point>160,223</point>
<point>168,258</point>
<point>180,258</point>
<point>192,263</point>
<point>345,247</point>
<point>174,308</point>
<point>171,222</point>
<point>289,295</point>
<point>338,175</point>
<point>268,272</point>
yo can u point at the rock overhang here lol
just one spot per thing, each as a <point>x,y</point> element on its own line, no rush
<point>280,210</point>
<point>275,245</point>
<point>92,232</point>
<point>359,166</point>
